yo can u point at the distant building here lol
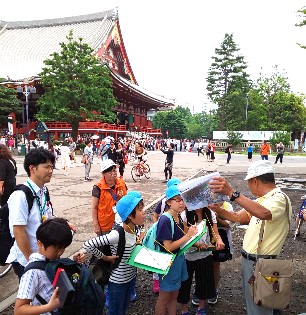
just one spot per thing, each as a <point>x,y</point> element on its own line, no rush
<point>25,45</point>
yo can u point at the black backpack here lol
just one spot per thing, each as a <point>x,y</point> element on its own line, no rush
<point>102,269</point>
<point>88,298</point>
<point>7,240</point>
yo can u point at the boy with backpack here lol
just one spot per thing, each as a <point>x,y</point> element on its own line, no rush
<point>122,278</point>
<point>35,288</point>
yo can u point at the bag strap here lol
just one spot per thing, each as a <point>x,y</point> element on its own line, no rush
<point>171,220</point>
<point>39,264</point>
<point>264,222</point>
<point>29,195</point>
<point>115,197</point>
<point>121,245</point>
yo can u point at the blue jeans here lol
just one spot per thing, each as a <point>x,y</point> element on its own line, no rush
<point>119,297</point>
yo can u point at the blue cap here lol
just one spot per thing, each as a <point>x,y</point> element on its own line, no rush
<point>135,194</point>
<point>173,181</point>
<point>172,191</point>
<point>126,205</point>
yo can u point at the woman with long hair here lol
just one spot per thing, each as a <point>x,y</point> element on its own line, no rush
<point>8,171</point>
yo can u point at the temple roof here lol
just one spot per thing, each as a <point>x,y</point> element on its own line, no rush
<point>25,45</point>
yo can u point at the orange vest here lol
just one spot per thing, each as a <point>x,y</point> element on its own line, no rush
<point>265,149</point>
<point>106,215</point>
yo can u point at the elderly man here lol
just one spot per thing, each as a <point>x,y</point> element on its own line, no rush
<point>105,195</point>
<point>270,205</point>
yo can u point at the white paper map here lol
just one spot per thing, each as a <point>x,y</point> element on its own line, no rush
<point>154,259</point>
<point>197,194</point>
<point>200,227</point>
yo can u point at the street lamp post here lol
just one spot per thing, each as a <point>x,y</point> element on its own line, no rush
<point>246,107</point>
<point>26,92</point>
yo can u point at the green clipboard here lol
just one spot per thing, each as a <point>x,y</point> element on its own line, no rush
<point>187,246</point>
<point>131,260</point>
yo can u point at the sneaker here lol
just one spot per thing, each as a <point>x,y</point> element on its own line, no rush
<point>156,286</point>
<point>195,301</point>
<point>214,300</point>
<point>201,311</point>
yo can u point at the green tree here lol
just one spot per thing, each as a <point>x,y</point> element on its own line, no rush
<point>280,136</point>
<point>302,13</point>
<point>8,102</point>
<point>228,82</point>
<point>183,112</point>
<point>173,122</point>
<point>274,106</point>
<point>77,86</point>
<point>234,137</point>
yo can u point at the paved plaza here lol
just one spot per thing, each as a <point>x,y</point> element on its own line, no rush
<point>71,196</point>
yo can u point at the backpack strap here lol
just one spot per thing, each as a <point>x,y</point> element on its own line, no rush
<point>29,195</point>
<point>39,264</point>
<point>121,245</point>
<point>171,220</point>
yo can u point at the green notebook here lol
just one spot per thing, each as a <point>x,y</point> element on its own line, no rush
<point>151,260</point>
<point>193,240</point>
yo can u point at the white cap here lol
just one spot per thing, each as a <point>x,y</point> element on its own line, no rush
<point>259,168</point>
<point>107,164</point>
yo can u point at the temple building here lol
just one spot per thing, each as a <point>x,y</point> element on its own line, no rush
<point>25,45</point>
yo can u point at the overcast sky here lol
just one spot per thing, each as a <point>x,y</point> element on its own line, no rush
<point>170,42</point>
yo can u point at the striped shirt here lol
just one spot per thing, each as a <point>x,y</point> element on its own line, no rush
<point>123,273</point>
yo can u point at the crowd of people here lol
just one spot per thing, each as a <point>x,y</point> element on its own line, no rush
<point>112,203</point>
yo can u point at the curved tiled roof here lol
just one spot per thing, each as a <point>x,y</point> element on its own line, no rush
<point>25,45</point>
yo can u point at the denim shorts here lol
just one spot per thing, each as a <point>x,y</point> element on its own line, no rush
<point>177,273</point>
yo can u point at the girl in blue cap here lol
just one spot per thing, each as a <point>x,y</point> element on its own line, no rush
<point>171,283</point>
<point>122,279</point>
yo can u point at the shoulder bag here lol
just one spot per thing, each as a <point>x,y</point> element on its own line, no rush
<point>271,282</point>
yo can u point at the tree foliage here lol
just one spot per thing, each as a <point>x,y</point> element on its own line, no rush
<point>302,13</point>
<point>274,107</point>
<point>234,137</point>
<point>173,121</point>
<point>280,136</point>
<point>228,83</point>
<point>8,102</point>
<point>77,86</point>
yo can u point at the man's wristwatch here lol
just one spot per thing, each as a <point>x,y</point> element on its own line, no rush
<point>235,195</point>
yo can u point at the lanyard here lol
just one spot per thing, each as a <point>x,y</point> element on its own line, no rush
<point>41,208</point>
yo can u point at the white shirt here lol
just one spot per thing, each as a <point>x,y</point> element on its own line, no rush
<point>19,215</point>
<point>35,282</point>
<point>192,253</point>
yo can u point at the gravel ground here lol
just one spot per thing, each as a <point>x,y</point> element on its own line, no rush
<point>230,288</point>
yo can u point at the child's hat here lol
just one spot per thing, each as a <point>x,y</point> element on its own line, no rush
<point>172,191</point>
<point>126,205</point>
<point>135,194</point>
<point>173,181</point>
